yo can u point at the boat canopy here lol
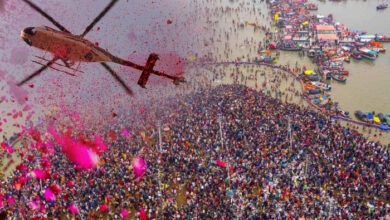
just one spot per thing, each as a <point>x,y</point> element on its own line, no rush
<point>325,28</point>
<point>327,37</point>
<point>287,37</point>
<point>366,36</point>
<point>365,40</point>
<point>367,51</point>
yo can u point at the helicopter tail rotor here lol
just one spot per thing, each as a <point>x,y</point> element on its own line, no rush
<point>143,79</point>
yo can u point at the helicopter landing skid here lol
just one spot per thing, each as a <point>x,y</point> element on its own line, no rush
<point>58,64</point>
<point>57,69</point>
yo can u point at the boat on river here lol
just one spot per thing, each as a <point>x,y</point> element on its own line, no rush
<point>382,6</point>
<point>290,48</point>
<point>312,7</point>
<point>321,85</point>
<point>368,54</point>
<point>361,116</point>
<point>383,38</point>
<point>339,78</point>
<point>382,118</point>
<point>356,55</point>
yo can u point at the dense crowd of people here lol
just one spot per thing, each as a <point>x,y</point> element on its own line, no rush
<point>226,153</point>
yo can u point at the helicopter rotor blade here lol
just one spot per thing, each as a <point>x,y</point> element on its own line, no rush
<point>39,71</point>
<point>117,78</point>
<point>97,19</point>
<point>44,14</point>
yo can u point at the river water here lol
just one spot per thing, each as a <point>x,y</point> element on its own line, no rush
<point>367,86</point>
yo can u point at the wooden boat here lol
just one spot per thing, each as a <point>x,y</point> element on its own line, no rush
<point>366,37</point>
<point>309,86</point>
<point>311,7</point>
<point>339,78</point>
<point>314,91</point>
<point>313,77</point>
<point>381,6</point>
<point>378,49</point>
<point>323,86</point>
<point>334,63</point>
<point>361,116</point>
<point>341,72</point>
<point>383,38</point>
<point>356,55</point>
<point>368,54</point>
<point>375,44</point>
<point>336,70</point>
<point>287,48</point>
<point>382,117</point>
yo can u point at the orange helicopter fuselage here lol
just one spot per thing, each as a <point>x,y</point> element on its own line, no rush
<point>64,45</point>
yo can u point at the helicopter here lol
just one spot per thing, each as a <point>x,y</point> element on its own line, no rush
<point>70,48</point>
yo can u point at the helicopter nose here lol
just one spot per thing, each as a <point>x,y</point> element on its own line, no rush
<point>29,31</point>
<point>28,41</point>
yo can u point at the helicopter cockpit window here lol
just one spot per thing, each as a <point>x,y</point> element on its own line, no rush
<point>28,41</point>
<point>30,31</point>
<point>49,28</point>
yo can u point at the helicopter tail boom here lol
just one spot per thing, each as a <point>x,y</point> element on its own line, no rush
<point>147,70</point>
<point>143,79</point>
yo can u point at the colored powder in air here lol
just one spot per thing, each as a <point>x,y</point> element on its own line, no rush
<point>220,163</point>
<point>78,153</point>
<point>124,213</point>
<point>139,166</point>
<point>49,195</point>
<point>73,209</point>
